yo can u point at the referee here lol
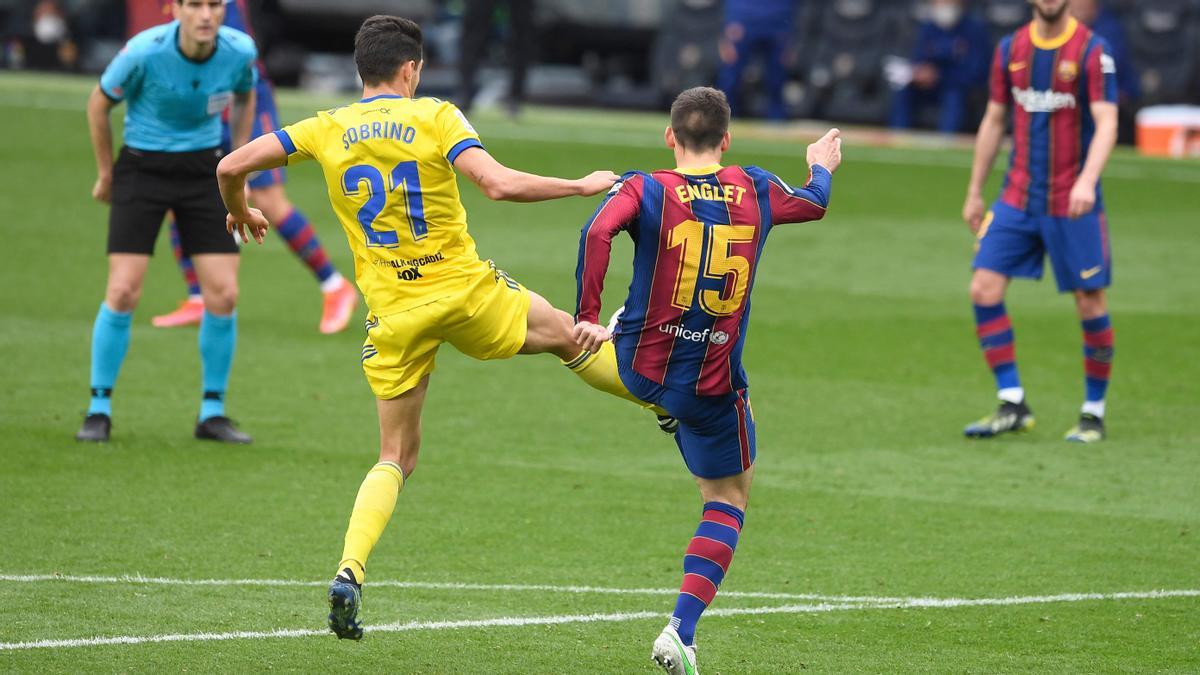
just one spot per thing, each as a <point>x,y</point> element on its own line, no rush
<point>176,80</point>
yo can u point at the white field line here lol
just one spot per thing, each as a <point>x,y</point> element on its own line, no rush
<point>860,603</point>
<point>423,585</point>
<point>789,148</point>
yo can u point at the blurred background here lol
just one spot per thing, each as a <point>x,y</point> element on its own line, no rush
<point>900,63</point>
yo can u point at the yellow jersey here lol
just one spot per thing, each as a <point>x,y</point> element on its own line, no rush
<point>388,165</point>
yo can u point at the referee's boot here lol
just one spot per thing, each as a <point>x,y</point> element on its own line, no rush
<point>221,428</point>
<point>1008,417</point>
<point>96,428</point>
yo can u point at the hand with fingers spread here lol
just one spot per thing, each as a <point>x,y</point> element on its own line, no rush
<point>254,220</point>
<point>827,151</point>
<point>591,336</point>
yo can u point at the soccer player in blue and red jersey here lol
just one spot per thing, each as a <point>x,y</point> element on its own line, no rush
<point>266,190</point>
<point>698,234</point>
<point>1060,81</point>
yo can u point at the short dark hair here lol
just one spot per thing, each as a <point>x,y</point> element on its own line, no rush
<point>700,118</point>
<point>382,45</point>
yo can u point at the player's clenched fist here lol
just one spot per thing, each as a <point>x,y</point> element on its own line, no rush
<point>254,220</point>
<point>827,151</point>
<point>973,211</point>
<point>590,336</point>
<point>596,182</point>
<point>102,190</point>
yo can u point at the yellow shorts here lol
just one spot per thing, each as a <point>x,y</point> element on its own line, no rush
<point>487,320</point>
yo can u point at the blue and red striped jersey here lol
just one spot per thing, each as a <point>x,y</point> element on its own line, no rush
<point>698,237</point>
<point>1050,86</point>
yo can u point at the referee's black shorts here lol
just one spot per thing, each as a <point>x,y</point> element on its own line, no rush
<point>147,184</point>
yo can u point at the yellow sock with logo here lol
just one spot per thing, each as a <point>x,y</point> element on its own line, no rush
<point>372,509</point>
<point>599,370</point>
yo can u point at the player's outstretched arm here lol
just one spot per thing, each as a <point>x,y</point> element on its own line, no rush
<point>264,152</point>
<point>1083,193</point>
<point>99,107</point>
<point>501,183</point>
<point>987,145</point>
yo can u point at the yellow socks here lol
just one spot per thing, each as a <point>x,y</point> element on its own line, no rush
<point>372,509</point>
<point>599,370</point>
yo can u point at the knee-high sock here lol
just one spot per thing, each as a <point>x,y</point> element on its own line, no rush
<point>1097,362</point>
<point>372,509</point>
<point>184,262</point>
<point>110,342</point>
<point>302,239</point>
<point>218,336</point>
<point>705,564</point>
<point>996,339</point>
<point>599,370</point>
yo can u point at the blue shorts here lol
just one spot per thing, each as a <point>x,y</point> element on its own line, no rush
<point>1015,243</point>
<point>266,120</point>
<point>716,433</point>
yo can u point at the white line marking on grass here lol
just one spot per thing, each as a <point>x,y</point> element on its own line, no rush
<point>396,627</point>
<point>421,585</point>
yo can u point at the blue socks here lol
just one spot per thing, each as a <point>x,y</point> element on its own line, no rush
<point>218,335</point>
<point>110,341</point>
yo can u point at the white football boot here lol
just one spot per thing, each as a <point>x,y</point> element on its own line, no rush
<point>672,655</point>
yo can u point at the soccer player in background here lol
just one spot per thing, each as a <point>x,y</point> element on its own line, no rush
<point>698,232</point>
<point>266,191</point>
<point>1060,81</point>
<point>176,80</point>
<point>389,162</point>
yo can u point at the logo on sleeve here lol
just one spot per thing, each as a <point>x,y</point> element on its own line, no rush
<point>465,123</point>
<point>1107,65</point>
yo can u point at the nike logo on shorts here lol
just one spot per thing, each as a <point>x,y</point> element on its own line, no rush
<point>1088,274</point>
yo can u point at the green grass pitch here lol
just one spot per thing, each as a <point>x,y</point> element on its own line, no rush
<point>863,365</point>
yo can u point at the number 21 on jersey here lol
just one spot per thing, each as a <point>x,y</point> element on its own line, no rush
<point>403,179</point>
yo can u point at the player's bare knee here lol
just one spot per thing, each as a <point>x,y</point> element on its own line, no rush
<point>122,296</point>
<point>986,291</point>
<point>1091,304</point>
<point>222,299</point>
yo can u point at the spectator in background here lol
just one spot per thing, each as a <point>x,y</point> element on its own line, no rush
<point>1105,24</point>
<point>949,63</point>
<point>476,31</point>
<point>757,28</point>
<point>49,46</point>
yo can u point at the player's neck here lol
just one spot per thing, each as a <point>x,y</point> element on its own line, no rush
<point>696,160</point>
<point>388,89</point>
<point>1049,31</point>
<point>195,50</point>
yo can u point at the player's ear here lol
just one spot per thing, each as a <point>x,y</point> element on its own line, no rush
<point>725,142</point>
<point>669,137</point>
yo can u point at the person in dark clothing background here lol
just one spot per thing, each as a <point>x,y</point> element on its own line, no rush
<point>1104,23</point>
<point>757,28</point>
<point>476,34</point>
<point>949,62</point>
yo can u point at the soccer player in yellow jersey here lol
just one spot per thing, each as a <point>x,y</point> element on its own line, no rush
<point>389,163</point>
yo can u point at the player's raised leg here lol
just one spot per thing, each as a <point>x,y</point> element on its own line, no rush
<point>217,340</point>
<point>1097,364</point>
<point>995,333</point>
<point>399,444</point>
<point>110,339</point>
<point>550,330</point>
